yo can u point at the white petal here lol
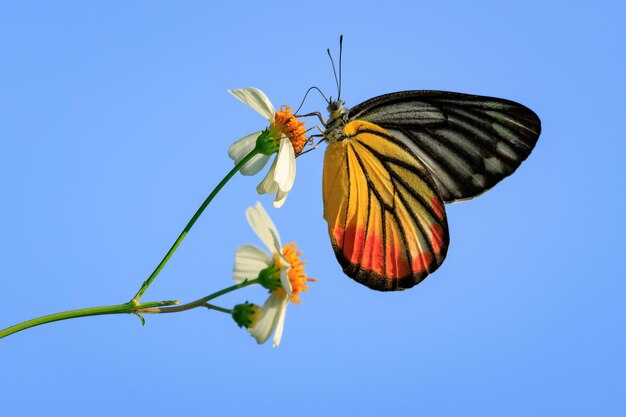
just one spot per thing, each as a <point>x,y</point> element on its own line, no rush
<point>239,149</point>
<point>280,324</point>
<point>243,147</point>
<point>285,173</point>
<point>284,280</point>
<point>249,262</point>
<point>271,312</point>
<point>280,198</point>
<point>256,99</point>
<point>268,185</point>
<point>263,226</point>
<point>256,164</point>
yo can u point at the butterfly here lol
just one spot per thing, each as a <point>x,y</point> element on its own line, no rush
<point>393,161</point>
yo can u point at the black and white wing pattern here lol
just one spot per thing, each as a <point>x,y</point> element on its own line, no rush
<point>468,142</point>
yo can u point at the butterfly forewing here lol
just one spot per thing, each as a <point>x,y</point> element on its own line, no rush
<point>386,219</point>
<point>468,142</point>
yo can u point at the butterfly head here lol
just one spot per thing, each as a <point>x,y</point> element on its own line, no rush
<point>336,108</point>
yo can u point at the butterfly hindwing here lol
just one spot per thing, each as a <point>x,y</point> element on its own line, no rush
<point>386,219</point>
<point>468,142</point>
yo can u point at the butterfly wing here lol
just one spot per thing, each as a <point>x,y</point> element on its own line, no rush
<point>468,142</point>
<point>386,220</point>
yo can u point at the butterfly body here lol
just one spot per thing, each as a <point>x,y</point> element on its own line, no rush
<point>394,160</point>
<point>337,120</point>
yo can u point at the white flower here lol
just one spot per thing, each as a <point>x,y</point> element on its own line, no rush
<point>285,129</point>
<point>251,260</point>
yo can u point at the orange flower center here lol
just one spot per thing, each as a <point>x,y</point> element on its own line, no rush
<point>289,125</point>
<point>296,275</point>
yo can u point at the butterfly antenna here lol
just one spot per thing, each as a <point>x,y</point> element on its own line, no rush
<point>340,55</point>
<point>307,93</point>
<point>332,61</point>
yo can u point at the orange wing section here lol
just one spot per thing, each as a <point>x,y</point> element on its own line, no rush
<point>386,220</point>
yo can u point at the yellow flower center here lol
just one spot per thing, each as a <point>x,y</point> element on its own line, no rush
<point>287,124</point>
<point>296,275</point>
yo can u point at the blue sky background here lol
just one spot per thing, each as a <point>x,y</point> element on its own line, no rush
<point>114,126</point>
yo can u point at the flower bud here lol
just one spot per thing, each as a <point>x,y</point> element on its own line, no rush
<point>246,314</point>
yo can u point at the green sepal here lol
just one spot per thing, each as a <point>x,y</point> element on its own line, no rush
<point>266,143</point>
<point>270,278</point>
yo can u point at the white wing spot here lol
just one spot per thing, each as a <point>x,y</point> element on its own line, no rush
<point>494,165</point>
<point>504,149</point>
<point>478,180</point>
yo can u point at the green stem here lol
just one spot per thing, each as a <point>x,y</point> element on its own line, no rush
<point>200,302</point>
<point>187,228</point>
<point>218,308</point>
<point>83,312</point>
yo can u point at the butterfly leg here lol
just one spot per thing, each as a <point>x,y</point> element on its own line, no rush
<point>315,113</point>
<point>315,146</point>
